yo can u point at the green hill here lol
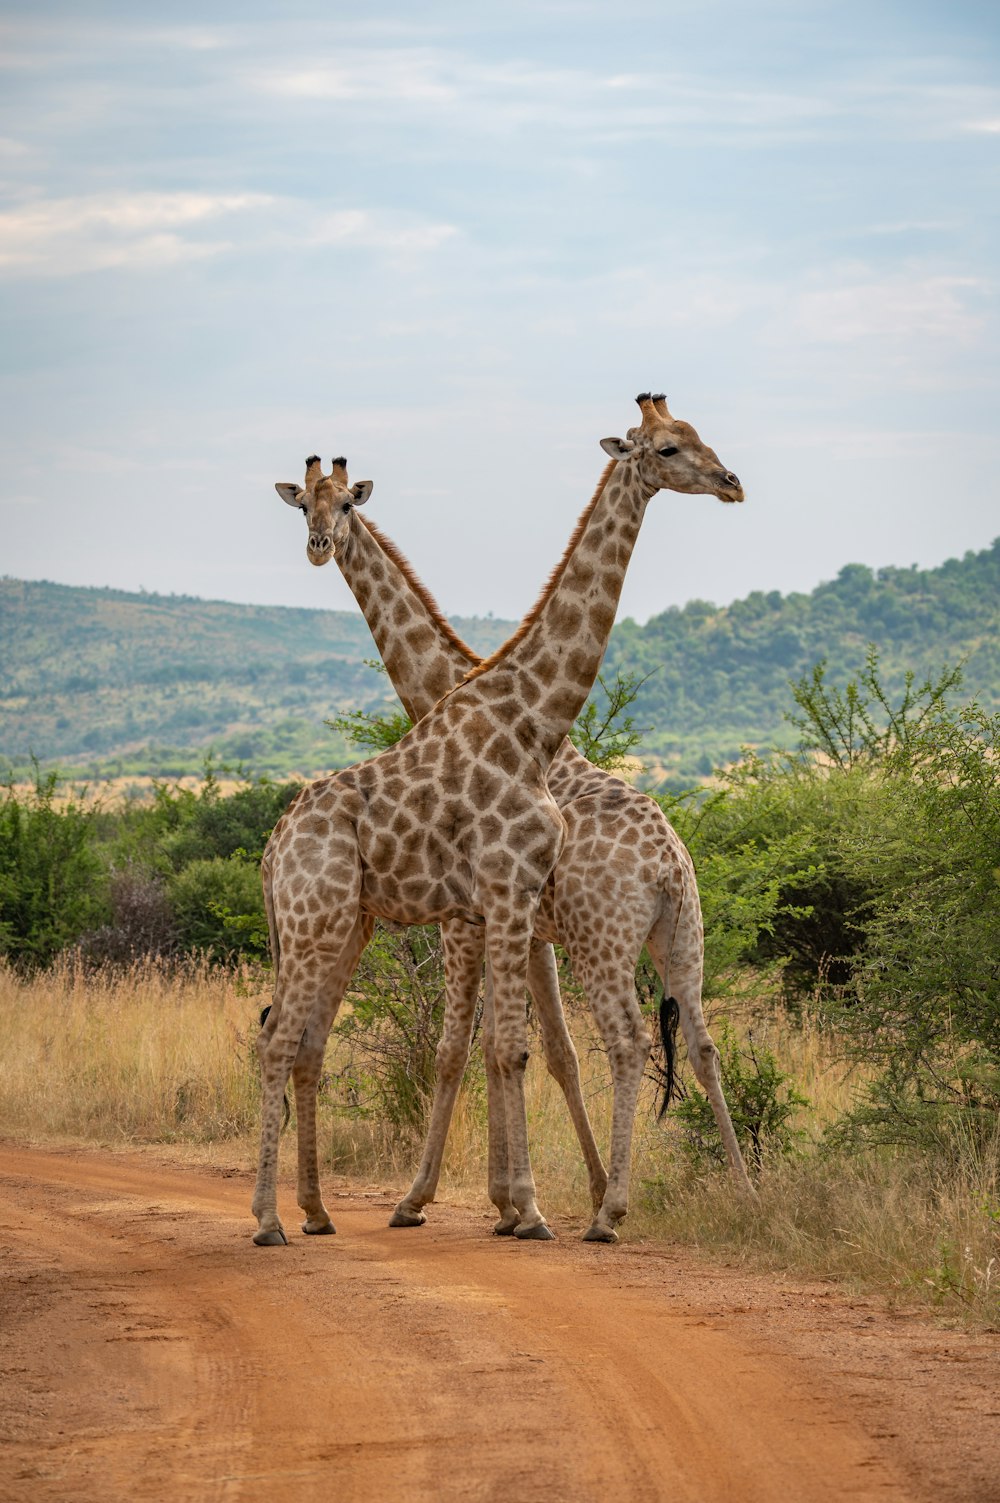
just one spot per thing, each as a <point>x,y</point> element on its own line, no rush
<point>719,677</point>
<point>102,681</point>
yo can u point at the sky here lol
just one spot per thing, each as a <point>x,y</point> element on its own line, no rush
<point>453,241</point>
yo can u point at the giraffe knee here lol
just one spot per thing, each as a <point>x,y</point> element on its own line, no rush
<point>705,1061</point>
<point>450,1057</point>
<point>511,1059</point>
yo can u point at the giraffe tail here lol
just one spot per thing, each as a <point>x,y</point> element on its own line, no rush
<point>272,928</point>
<point>670,1016</point>
<point>684,937</point>
<point>272,934</point>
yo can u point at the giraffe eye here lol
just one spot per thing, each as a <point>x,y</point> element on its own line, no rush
<point>346,507</point>
<point>670,449</point>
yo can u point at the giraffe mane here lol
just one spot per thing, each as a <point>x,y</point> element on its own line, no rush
<point>418,587</point>
<point>553,580</point>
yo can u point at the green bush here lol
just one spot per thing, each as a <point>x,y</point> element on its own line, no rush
<point>203,898</point>
<point>52,883</point>
<point>924,999</point>
<point>392,1023</point>
<point>761,1102</point>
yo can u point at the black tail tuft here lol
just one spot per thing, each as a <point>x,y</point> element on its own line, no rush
<point>670,1016</point>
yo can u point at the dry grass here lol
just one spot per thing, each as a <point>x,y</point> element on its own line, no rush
<point>135,1056</point>
<point>148,1057</point>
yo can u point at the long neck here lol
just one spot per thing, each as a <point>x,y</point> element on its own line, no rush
<point>423,656</point>
<point>554,656</point>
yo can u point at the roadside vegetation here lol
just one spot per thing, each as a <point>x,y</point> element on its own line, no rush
<point>851,890</point>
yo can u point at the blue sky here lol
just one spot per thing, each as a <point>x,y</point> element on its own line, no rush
<point>453,241</point>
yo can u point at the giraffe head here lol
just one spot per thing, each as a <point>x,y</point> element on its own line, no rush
<point>327,502</point>
<point>669,455</point>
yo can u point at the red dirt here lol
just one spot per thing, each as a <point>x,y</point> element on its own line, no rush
<point>150,1351</point>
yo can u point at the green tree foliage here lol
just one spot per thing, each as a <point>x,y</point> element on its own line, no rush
<point>50,872</point>
<point>605,731</point>
<point>861,725</point>
<point>392,1022</point>
<point>205,894</point>
<point>181,825</point>
<point>888,913</point>
<point>924,1000</point>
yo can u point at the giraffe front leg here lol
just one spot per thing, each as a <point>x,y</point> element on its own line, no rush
<point>306,1075</point>
<point>562,1061</point>
<point>508,939</point>
<point>499,1167</point>
<point>277,1047</point>
<point>311,962</point>
<point>463,945</point>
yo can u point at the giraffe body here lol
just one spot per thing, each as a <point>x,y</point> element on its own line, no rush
<point>455,823</point>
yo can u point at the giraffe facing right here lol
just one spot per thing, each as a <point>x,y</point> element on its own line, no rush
<point>623,878</point>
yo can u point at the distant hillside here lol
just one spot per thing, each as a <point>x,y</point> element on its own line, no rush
<point>719,677</point>
<point>102,681</point>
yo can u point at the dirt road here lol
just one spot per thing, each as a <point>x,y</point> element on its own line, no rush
<point>149,1351</point>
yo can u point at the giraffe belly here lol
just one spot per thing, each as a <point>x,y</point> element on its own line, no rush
<point>414,901</point>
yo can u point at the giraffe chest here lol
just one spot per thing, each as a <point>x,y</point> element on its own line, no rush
<point>440,853</point>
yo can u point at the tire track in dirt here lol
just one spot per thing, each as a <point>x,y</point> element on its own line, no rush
<point>150,1350</point>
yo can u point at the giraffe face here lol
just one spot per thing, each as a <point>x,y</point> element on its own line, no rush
<point>670,456</point>
<point>327,502</point>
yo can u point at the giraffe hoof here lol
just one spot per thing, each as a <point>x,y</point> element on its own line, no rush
<point>598,1233</point>
<point>407,1218</point>
<point>537,1233</point>
<point>505,1228</point>
<point>321,1229</point>
<point>273,1238</point>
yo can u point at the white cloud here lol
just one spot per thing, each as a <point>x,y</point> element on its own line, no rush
<point>64,236</point>
<point>411,74</point>
<point>358,227</point>
<point>899,307</point>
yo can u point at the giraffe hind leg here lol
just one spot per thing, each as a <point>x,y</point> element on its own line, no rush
<point>676,948</point>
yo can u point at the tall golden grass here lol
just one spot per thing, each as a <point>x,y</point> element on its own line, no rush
<point>148,1056</point>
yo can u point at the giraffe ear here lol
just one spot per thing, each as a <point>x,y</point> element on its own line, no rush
<point>291,494</point>
<point>618,448</point>
<point>361,490</point>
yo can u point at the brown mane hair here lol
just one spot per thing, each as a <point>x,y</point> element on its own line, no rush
<point>420,590</point>
<point>553,580</point>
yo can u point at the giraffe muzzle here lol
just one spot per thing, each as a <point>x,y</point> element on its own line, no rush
<point>320,549</point>
<point>731,490</point>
